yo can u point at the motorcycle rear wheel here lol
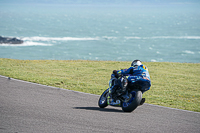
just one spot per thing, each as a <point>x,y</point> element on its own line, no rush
<point>103,99</point>
<point>134,101</point>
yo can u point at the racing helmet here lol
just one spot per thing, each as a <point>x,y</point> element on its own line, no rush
<point>136,63</point>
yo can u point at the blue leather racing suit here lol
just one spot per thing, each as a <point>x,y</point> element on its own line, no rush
<point>137,76</point>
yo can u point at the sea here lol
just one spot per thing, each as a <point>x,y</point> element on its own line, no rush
<point>151,33</point>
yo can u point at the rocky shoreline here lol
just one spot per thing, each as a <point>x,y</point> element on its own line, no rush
<point>9,40</point>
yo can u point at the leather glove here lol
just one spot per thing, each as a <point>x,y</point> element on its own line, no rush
<point>115,73</point>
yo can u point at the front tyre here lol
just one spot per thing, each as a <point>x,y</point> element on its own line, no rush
<point>103,99</point>
<point>134,101</point>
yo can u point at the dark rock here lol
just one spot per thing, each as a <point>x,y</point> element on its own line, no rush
<point>8,40</point>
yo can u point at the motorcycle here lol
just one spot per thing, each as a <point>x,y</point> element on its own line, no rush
<point>121,94</point>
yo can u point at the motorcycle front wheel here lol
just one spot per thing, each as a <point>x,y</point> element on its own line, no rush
<point>134,101</point>
<point>103,99</point>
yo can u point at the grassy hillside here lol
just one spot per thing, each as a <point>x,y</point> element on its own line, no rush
<point>175,85</point>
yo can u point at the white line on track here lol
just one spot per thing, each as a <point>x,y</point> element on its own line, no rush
<point>93,94</point>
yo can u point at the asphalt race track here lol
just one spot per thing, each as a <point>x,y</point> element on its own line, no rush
<point>32,108</point>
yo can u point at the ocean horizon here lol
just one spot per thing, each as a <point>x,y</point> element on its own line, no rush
<point>151,33</point>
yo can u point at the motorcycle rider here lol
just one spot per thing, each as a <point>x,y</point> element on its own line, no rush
<point>138,78</point>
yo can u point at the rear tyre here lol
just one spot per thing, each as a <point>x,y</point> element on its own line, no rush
<point>134,102</point>
<point>103,99</point>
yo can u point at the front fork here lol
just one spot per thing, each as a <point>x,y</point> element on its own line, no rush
<point>108,98</point>
<point>110,90</point>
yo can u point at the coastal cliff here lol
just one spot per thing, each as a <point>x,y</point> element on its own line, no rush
<point>9,40</point>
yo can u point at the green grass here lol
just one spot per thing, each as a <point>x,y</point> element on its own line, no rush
<point>175,85</point>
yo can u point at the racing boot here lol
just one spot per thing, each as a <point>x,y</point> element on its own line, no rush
<point>126,97</point>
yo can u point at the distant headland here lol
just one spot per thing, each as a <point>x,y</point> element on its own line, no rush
<point>9,40</point>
